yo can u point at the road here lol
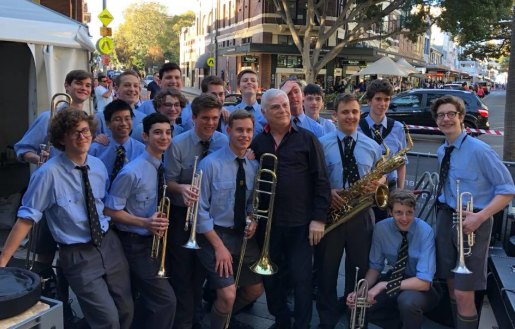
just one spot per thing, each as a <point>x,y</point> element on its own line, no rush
<point>495,102</point>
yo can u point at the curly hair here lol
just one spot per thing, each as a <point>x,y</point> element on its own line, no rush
<point>65,121</point>
<point>160,98</point>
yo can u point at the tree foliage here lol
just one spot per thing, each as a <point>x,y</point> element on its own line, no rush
<point>354,21</point>
<point>482,27</point>
<point>138,36</point>
<point>173,32</point>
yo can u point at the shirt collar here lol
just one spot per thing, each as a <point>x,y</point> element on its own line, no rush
<point>155,162</point>
<point>341,135</point>
<point>197,139</point>
<point>69,165</point>
<point>266,128</point>
<point>371,122</point>
<point>458,142</point>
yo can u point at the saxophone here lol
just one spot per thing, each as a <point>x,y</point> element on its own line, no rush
<point>356,199</point>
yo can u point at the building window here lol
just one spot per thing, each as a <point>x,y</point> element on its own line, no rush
<point>285,40</point>
<point>289,61</point>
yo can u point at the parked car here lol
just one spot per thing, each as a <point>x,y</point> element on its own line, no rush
<point>456,86</point>
<point>413,107</point>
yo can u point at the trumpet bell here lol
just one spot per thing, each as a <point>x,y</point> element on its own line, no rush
<point>461,269</point>
<point>191,244</point>
<point>264,266</point>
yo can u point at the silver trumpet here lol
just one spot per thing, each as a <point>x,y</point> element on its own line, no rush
<point>357,316</point>
<point>191,215</point>
<point>464,243</point>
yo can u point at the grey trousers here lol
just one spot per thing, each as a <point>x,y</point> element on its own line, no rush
<point>100,279</point>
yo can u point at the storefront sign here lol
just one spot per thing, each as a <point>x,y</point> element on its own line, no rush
<point>249,59</point>
<point>351,62</point>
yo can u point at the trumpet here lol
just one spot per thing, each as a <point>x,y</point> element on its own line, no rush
<point>159,241</point>
<point>357,317</point>
<point>57,99</point>
<point>464,244</point>
<point>264,265</point>
<point>191,215</point>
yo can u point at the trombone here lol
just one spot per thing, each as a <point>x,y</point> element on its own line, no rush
<point>264,265</point>
<point>159,241</point>
<point>357,317</point>
<point>191,215</point>
<point>57,99</point>
<point>464,246</point>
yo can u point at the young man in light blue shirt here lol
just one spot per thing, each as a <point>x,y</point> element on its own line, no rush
<point>223,229</point>
<point>408,301</point>
<point>69,189</point>
<point>132,203</point>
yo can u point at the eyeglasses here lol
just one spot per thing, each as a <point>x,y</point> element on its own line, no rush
<point>450,115</point>
<point>84,132</point>
<point>176,105</point>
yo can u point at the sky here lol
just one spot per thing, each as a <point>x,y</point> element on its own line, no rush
<point>116,8</point>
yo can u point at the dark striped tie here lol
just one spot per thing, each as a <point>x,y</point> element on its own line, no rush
<point>94,221</point>
<point>394,283</point>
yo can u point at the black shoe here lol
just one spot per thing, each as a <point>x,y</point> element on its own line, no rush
<point>236,324</point>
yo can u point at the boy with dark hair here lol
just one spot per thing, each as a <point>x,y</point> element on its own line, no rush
<point>69,189</point>
<point>390,132</point>
<point>132,203</point>
<point>121,147</point>
<point>313,104</point>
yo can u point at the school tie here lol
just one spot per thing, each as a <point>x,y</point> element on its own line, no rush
<point>444,168</point>
<point>249,108</point>
<point>160,182</point>
<point>205,148</point>
<point>239,197</point>
<point>119,161</point>
<point>376,132</point>
<point>94,221</point>
<point>350,166</point>
<point>297,122</point>
<point>393,286</point>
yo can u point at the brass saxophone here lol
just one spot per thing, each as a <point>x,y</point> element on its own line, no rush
<point>356,199</point>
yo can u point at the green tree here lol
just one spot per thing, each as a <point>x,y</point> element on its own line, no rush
<point>355,19</point>
<point>138,41</point>
<point>170,41</point>
<point>482,27</point>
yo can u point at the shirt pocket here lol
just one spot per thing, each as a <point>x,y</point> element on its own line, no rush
<point>223,193</point>
<point>143,200</point>
<point>363,168</point>
<point>68,202</point>
<point>467,177</point>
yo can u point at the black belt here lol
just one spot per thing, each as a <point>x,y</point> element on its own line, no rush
<point>131,235</point>
<point>79,244</point>
<point>223,228</point>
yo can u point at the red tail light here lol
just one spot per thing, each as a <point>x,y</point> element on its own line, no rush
<point>482,112</point>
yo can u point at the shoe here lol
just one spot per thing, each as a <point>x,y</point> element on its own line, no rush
<point>236,324</point>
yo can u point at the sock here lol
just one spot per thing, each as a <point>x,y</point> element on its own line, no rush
<point>218,319</point>
<point>467,322</point>
<point>454,309</point>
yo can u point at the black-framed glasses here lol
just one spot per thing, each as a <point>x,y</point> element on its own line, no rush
<point>450,115</point>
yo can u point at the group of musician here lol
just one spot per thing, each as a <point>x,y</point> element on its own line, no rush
<point>99,199</point>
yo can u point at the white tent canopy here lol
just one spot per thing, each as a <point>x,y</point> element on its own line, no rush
<point>25,21</point>
<point>410,69</point>
<point>383,66</point>
<point>38,47</point>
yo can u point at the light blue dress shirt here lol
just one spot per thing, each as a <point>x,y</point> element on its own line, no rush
<point>366,152</point>
<point>135,190</point>
<point>309,124</point>
<point>327,125</point>
<point>218,186</point>
<point>479,169</point>
<point>396,140</point>
<point>34,137</point>
<point>386,242</point>
<point>57,189</point>
<point>137,125</point>
<point>146,107</point>
<point>259,118</point>
<point>180,156</point>
<point>107,153</point>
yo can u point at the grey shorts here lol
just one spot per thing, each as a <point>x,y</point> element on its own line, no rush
<point>232,242</point>
<point>447,253</point>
